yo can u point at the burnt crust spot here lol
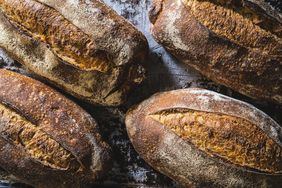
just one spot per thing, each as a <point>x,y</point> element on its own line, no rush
<point>230,138</point>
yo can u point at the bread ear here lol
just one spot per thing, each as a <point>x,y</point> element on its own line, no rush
<point>198,138</point>
<point>55,142</point>
<point>87,49</point>
<point>233,45</point>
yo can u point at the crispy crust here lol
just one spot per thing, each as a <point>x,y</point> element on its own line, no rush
<point>40,146</point>
<point>66,40</point>
<point>223,45</point>
<point>231,138</point>
<point>243,31</point>
<point>60,121</point>
<point>256,11</point>
<point>112,34</point>
<point>183,161</point>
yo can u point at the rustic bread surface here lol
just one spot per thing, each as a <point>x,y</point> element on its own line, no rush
<point>204,139</point>
<point>47,140</point>
<point>235,43</point>
<point>81,46</point>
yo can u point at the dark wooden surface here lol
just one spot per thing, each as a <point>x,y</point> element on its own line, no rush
<point>163,73</point>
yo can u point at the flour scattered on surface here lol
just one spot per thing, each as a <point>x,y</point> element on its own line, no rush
<point>139,174</point>
<point>173,32</point>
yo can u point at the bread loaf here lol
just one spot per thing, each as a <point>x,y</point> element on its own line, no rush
<point>46,140</point>
<point>204,139</point>
<point>234,43</point>
<point>81,46</point>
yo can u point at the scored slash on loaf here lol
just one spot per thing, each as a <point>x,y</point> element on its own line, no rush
<point>201,138</point>
<point>46,140</point>
<point>84,48</point>
<point>234,43</point>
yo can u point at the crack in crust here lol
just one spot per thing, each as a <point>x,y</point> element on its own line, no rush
<point>234,26</point>
<point>155,10</point>
<point>234,139</point>
<point>224,45</point>
<point>40,146</point>
<point>252,12</point>
<point>67,41</point>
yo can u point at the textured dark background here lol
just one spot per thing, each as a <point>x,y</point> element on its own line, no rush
<point>164,73</point>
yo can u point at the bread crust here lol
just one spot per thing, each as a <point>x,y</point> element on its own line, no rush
<point>230,49</point>
<point>178,158</point>
<point>119,41</point>
<point>34,117</point>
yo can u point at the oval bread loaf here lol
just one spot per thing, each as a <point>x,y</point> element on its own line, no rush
<point>81,46</point>
<point>47,140</point>
<point>237,43</point>
<point>204,139</point>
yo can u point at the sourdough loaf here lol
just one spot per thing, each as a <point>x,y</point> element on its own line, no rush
<point>237,43</point>
<point>81,46</point>
<point>204,139</point>
<point>47,140</point>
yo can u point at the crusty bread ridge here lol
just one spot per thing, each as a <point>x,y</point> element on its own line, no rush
<point>224,44</point>
<point>47,140</point>
<point>201,138</point>
<point>53,48</point>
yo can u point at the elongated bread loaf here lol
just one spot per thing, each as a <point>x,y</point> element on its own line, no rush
<point>81,46</point>
<point>204,139</point>
<point>47,140</point>
<point>235,43</point>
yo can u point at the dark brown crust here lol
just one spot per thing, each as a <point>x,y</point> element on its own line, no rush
<point>63,121</point>
<point>66,40</point>
<point>182,161</point>
<point>233,139</point>
<point>20,132</point>
<point>257,11</point>
<point>155,10</point>
<point>111,34</point>
<point>254,69</point>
